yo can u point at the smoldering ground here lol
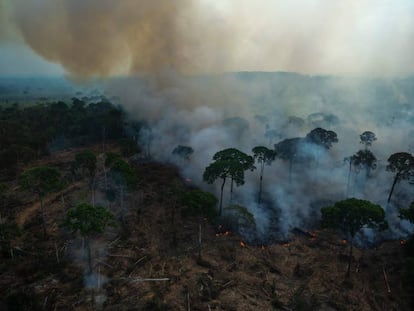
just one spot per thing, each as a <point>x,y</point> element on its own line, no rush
<point>211,113</point>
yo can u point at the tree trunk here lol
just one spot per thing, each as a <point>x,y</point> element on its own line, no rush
<point>93,190</point>
<point>221,197</point>
<point>349,179</point>
<point>103,139</point>
<point>351,244</point>
<point>42,209</point>
<point>89,254</point>
<point>231,192</point>
<point>200,245</point>
<point>260,184</point>
<point>397,176</point>
<point>122,206</point>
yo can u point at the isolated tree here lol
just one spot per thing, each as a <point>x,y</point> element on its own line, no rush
<point>263,156</point>
<point>228,163</point>
<point>41,180</point>
<point>350,216</point>
<point>202,205</point>
<point>89,221</point>
<point>402,164</point>
<point>367,138</point>
<point>124,178</point>
<point>85,164</point>
<point>239,219</point>
<point>184,152</point>
<point>288,150</point>
<point>322,137</point>
<point>408,213</point>
<point>350,160</point>
<point>8,231</point>
<point>365,159</point>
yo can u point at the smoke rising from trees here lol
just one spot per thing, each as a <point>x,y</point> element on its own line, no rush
<point>172,39</point>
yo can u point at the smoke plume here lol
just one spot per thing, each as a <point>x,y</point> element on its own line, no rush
<point>93,38</point>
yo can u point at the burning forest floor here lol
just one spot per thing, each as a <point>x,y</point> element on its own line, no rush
<point>152,262</point>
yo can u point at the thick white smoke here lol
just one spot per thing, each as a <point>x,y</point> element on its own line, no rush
<point>211,113</point>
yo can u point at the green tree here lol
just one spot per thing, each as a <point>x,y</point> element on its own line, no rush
<point>402,164</point>
<point>8,231</point>
<point>366,160</point>
<point>408,213</point>
<point>350,160</point>
<point>322,137</point>
<point>202,205</point>
<point>89,221</point>
<point>350,216</point>
<point>263,156</point>
<point>41,180</point>
<point>288,150</point>
<point>125,179</point>
<point>367,138</point>
<point>228,163</point>
<point>183,152</point>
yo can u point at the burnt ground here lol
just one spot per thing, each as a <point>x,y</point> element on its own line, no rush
<point>151,262</point>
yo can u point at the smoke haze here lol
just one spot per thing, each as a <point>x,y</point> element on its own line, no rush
<point>93,38</point>
<point>187,45</point>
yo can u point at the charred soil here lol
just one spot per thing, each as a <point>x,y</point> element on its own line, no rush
<point>152,262</point>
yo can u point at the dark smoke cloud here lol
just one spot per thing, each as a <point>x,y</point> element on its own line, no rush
<point>106,37</point>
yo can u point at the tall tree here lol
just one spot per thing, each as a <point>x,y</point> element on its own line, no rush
<point>402,164</point>
<point>408,213</point>
<point>184,152</point>
<point>88,220</point>
<point>41,180</point>
<point>201,204</point>
<point>263,156</point>
<point>367,138</point>
<point>350,216</point>
<point>350,160</point>
<point>366,160</point>
<point>228,163</point>
<point>85,163</point>
<point>288,150</point>
<point>125,179</point>
<point>322,137</point>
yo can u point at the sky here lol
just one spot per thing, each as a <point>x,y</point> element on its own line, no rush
<point>100,38</point>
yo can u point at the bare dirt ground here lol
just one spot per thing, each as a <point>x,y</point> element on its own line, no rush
<point>151,262</point>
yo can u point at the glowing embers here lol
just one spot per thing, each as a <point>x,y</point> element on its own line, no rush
<point>313,235</point>
<point>344,242</point>
<point>221,231</point>
<point>225,233</point>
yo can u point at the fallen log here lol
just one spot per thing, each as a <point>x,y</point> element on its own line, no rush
<point>386,280</point>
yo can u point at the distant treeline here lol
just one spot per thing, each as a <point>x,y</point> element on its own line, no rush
<point>27,133</point>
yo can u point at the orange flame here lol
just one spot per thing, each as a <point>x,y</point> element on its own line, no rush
<point>313,235</point>
<point>242,244</point>
<point>403,242</point>
<point>344,242</point>
<point>226,233</point>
